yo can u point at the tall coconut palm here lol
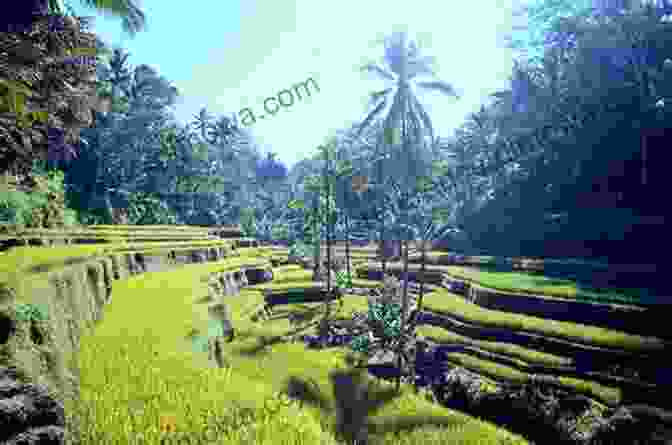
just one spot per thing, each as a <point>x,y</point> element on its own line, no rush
<point>405,66</point>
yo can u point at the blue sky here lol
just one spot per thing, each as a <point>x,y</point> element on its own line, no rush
<point>228,55</point>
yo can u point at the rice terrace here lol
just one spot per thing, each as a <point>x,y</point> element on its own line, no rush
<point>172,278</point>
<point>139,374</point>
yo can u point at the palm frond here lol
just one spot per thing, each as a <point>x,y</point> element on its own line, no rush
<point>438,85</point>
<point>377,69</point>
<point>370,117</point>
<point>421,66</point>
<point>374,97</point>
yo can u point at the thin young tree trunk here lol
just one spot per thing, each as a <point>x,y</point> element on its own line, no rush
<point>404,309</point>
<point>329,233</point>
<point>347,244</point>
<point>381,216</point>
<point>643,177</point>
<point>327,311</point>
<point>316,235</point>
<point>422,275</point>
<point>404,298</point>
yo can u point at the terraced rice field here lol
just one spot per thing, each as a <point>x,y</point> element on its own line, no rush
<point>158,370</point>
<point>535,283</point>
<point>611,367</point>
<point>143,380</point>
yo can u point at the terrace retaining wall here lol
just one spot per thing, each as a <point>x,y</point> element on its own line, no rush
<point>39,359</point>
<point>636,320</point>
<point>653,366</point>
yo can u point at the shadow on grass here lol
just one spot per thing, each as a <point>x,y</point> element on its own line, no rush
<point>355,401</point>
<point>264,343</point>
<point>297,314</point>
<point>204,299</point>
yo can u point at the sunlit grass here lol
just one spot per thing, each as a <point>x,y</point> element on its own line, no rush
<point>442,301</point>
<point>532,283</point>
<point>498,371</point>
<point>139,375</point>
<point>502,372</point>
<point>526,355</point>
<point>22,258</point>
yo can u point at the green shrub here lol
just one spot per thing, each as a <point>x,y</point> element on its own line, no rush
<point>280,232</point>
<point>43,206</point>
<point>28,312</point>
<point>300,249</point>
<point>145,208</point>
<point>247,223</point>
<point>16,207</point>
<point>343,280</point>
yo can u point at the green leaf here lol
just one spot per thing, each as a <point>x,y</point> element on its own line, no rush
<point>296,204</point>
<point>40,116</point>
<point>18,103</point>
<point>15,87</point>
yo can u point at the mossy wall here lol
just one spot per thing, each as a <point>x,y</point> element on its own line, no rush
<point>73,298</point>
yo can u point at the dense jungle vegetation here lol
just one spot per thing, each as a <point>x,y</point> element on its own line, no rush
<point>568,162</point>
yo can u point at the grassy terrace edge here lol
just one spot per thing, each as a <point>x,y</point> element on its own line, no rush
<point>490,370</point>
<point>514,282</point>
<point>444,302</point>
<point>25,257</point>
<point>171,377</point>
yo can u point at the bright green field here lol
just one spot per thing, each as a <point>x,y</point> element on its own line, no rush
<point>442,301</point>
<point>19,259</point>
<point>139,371</point>
<point>541,285</point>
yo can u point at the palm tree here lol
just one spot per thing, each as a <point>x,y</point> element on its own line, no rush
<point>133,20</point>
<point>404,65</point>
<point>345,177</point>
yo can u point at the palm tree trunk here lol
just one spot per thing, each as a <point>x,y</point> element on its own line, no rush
<point>422,275</point>
<point>316,235</point>
<point>329,234</point>
<point>347,244</point>
<point>381,216</point>
<point>404,298</point>
<point>327,312</point>
<point>643,179</point>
